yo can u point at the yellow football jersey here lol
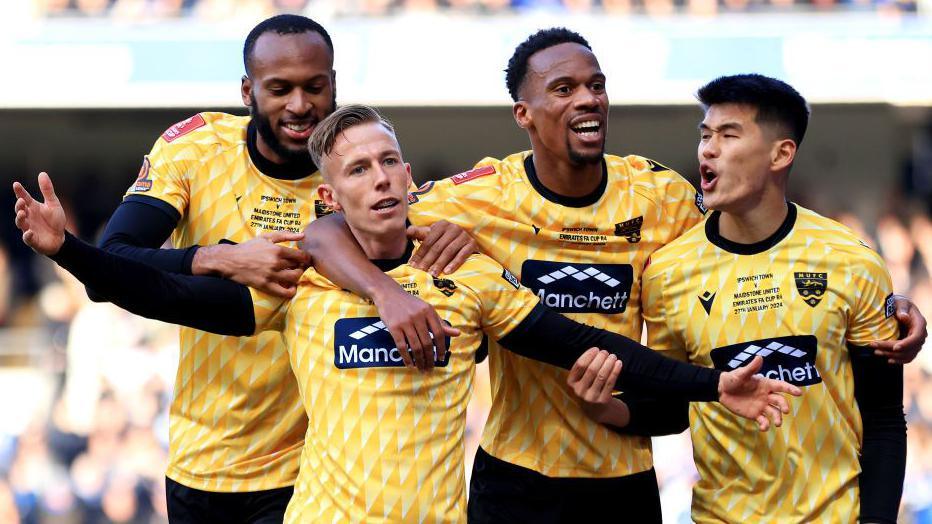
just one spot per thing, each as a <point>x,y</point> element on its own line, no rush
<point>236,421</point>
<point>385,442</point>
<point>582,257</point>
<point>795,299</point>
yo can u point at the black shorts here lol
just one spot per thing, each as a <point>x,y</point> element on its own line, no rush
<point>502,492</point>
<point>193,506</point>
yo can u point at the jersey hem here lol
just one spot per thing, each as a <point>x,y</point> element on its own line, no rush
<point>223,485</point>
<point>523,460</point>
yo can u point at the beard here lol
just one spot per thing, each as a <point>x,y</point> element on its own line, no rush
<point>264,128</point>
<point>581,159</point>
<point>585,159</point>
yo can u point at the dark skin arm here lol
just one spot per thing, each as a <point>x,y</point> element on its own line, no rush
<point>911,321</point>
<point>338,257</point>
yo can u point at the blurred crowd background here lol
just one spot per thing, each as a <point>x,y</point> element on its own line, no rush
<point>254,9</point>
<point>85,387</point>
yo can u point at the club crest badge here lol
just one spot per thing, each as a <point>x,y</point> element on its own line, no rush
<point>630,229</point>
<point>321,209</point>
<point>445,286</point>
<point>811,286</point>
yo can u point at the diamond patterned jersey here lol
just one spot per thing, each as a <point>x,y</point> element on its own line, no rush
<point>236,421</point>
<point>385,442</point>
<point>583,259</point>
<point>807,470</point>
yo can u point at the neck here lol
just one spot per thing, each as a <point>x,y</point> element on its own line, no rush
<point>383,246</point>
<point>564,177</point>
<point>754,223</point>
<point>267,152</point>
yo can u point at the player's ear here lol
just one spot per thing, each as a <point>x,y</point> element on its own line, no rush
<point>783,154</point>
<point>325,191</point>
<point>519,110</point>
<point>408,171</point>
<point>245,90</point>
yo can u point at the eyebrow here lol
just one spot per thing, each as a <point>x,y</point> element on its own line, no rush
<point>569,79</point>
<point>727,125</point>
<point>280,80</point>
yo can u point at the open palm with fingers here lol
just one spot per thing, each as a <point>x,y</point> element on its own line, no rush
<point>42,223</point>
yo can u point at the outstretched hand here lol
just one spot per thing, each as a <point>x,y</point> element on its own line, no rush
<point>755,397</point>
<point>42,224</point>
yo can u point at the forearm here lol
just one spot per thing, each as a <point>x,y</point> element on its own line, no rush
<point>205,303</point>
<point>653,417</point>
<point>879,393</point>
<point>552,338</point>
<point>137,230</point>
<point>339,258</point>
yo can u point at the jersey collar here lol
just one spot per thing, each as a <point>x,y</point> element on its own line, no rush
<point>712,233</point>
<point>388,264</point>
<point>286,171</point>
<point>583,201</point>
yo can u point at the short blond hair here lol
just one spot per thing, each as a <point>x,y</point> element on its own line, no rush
<point>322,140</point>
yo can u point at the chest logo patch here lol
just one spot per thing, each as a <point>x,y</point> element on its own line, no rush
<point>579,288</point>
<point>790,359</point>
<point>811,286</point>
<point>366,343</point>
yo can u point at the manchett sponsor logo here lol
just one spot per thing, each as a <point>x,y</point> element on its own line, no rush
<point>791,359</point>
<point>366,343</point>
<point>574,287</point>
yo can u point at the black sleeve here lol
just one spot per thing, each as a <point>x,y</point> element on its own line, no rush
<point>652,417</point>
<point>878,389</point>
<point>549,337</point>
<point>206,303</point>
<point>139,226</point>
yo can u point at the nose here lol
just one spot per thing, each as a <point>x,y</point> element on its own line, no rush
<point>381,179</point>
<point>587,98</point>
<point>709,148</point>
<point>299,103</point>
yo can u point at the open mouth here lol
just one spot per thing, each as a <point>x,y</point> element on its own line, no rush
<point>707,176</point>
<point>587,129</point>
<point>298,130</point>
<point>385,203</point>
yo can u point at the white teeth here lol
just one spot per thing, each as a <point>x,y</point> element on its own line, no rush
<point>298,127</point>
<point>589,126</point>
<point>386,204</point>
